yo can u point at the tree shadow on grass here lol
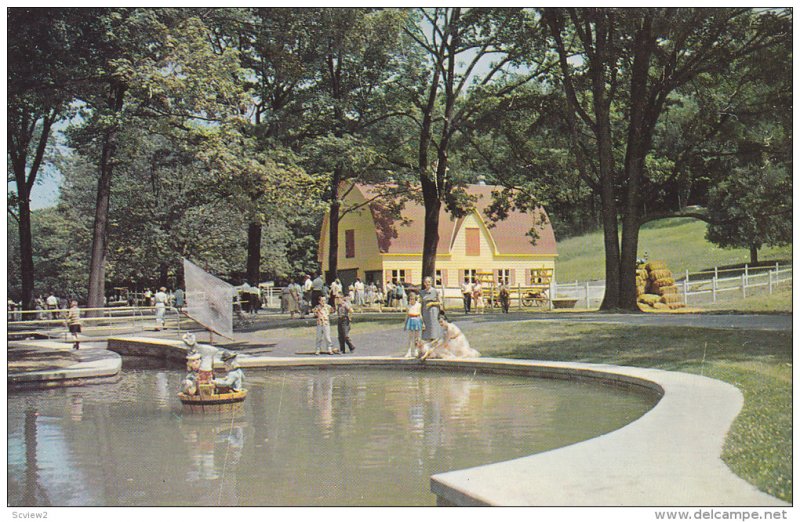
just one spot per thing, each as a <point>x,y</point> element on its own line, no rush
<point>643,346</point>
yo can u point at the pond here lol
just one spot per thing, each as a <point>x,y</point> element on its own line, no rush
<point>328,437</point>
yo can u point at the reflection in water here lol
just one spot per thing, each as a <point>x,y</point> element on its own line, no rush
<point>32,487</point>
<point>76,409</point>
<point>303,437</point>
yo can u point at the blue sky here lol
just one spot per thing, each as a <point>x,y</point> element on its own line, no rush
<point>45,193</point>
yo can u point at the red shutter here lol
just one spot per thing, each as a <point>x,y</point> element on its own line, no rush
<point>444,277</point>
<point>388,276</point>
<point>408,276</point>
<point>473,236</point>
<point>513,279</point>
<point>527,277</point>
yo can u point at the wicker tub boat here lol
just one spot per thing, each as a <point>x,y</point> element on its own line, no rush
<point>215,398</point>
<point>208,398</point>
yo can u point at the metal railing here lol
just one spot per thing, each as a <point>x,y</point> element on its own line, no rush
<point>52,323</point>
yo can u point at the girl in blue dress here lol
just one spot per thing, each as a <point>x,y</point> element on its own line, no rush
<point>413,325</point>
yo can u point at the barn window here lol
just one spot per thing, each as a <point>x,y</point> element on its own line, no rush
<point>503,276</point>
<point>349,243</point>
<point>470,274</point>
<point>438,279</point>
<point>398,276</point>
<point>473,242</point>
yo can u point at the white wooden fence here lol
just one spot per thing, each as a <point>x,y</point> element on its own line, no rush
<point>694,288</point>
<point>589,294</point>
<point>719,285</point>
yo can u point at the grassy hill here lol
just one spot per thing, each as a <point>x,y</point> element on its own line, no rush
<point>680,242</point>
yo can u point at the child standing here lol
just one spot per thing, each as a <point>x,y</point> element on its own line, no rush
<point>323,312</point>
<point>345,310</point>
<point>74,323</point>
<point>413,325</point>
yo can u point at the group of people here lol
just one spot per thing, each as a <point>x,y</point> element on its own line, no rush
<point>430,333</point>
<point>322,312</point>
<point>161,299</point>
<point>175,299</point>
<point>472,292</point>
<point>200,368</point>
<point>50,307</point>
<point>301,299</point>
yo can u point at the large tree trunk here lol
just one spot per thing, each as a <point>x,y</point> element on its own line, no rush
<point>26,250</point>
<point>19,138</point>
<point>753,255</point>
<point>611,244</point>
<point>611,299</point>
<point>254,253</point>
<point>97,268</point>
<point>430,242</point>
<point>180,281</point>
<point>333,227</point>
<point>163,275</point>
<point>640,129</point>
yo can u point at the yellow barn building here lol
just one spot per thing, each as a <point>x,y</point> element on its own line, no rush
<point>376,248</point>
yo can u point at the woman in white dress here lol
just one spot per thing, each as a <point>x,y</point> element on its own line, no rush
<point>453,344</point>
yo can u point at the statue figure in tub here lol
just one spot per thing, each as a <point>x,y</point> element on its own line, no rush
<point>189,383</point>
<point>205,373</point>
<point>234,379</point>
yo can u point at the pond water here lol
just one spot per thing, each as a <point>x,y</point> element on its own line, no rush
<point>331,437</point>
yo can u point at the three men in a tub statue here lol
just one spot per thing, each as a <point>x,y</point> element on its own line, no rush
<point>200,379</point>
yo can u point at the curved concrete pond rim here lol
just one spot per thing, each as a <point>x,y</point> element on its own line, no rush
<point>668,457</point>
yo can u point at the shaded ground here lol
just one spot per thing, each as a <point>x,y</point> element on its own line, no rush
<point>48,355</point>
<point>383,334</point>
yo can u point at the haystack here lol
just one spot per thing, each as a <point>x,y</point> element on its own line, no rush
<point>655,286</point>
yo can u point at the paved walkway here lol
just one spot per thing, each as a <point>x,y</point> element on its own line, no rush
<point>54,363</point>
<point>260,338</point>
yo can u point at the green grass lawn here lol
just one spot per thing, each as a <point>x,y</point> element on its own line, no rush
<point>680,242</point>
<point>758,447</point>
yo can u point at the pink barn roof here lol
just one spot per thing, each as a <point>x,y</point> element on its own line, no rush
<point>510,235</point>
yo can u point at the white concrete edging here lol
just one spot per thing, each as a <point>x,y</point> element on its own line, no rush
<point>668,457</point>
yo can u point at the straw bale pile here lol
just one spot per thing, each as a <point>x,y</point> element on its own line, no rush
<point>641,281</point>
<point>655,286</point>
<point>649,299</point>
